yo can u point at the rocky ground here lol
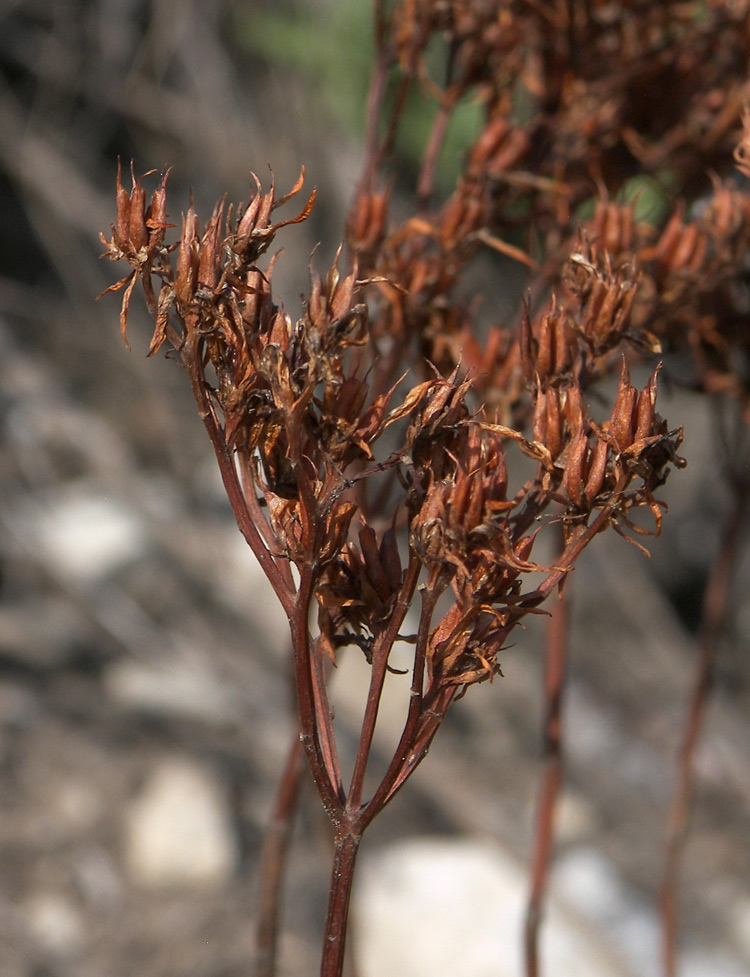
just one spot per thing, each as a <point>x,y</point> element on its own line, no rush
<point>144,684</point>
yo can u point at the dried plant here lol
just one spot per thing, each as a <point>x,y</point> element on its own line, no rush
<point>363,445</point>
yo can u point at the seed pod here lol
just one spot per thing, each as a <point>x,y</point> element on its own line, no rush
<point>524,546</point>
<point>210,252</point>
<point>545,356</point>
<point>597,466</point>
<point>156,215</point>
<point>646,408</point>
<point>498,482</point>
<point>249,219</point>
<point>601,325</point>
<point>562,349</point>
<point>540,415</point>
<point>575,468</point>
<point>185,280</point>
<point>473,513</point>
<point>138,229</point>
<point>555,423</point>
<point>573,407</point>
<point>390,559</point>
<point>623,421</point>
<point>461,497</point>
<point>122,233</point>
<point>439,402</point>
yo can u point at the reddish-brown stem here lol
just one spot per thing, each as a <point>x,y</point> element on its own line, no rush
<point>399,103</point>
<point>381,654</point>
<point>316,727</point>
<point>426,180</point>
<point>402,764</point>
<point>555,665</point>
<point>375,95</point>
<point>429,722</point>
<point>273,860</point>
<point>190,355</point>
<point>715,602</point>
<point>326,738</point>
<point>346,847</point>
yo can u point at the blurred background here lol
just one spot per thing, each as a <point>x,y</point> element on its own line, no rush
<point>144,690</point>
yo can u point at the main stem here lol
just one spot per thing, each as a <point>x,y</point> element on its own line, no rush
<point>551,781</point>
<point>342,877</point>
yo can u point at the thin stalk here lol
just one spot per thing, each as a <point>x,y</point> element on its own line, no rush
<point>273,860</point>
<point>342,877</point>
<point>375,95</point>
<point>316,728</point>
<point>430,720</point>
<point>715,603</point>
<point>381,654</point>
<point>405,747</point>
<point>554,678</point>
<point>327,738</point>
<point>190,354</point>
<point>426,181</point>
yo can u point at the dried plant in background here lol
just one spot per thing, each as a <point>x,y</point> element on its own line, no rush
<point>363,444</point>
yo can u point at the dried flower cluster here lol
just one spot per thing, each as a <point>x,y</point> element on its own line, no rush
<point>292,413</point>
<point>363,492</point>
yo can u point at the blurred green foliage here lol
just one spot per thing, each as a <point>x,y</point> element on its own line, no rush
<point>329,44</point>
<point>652,196</point>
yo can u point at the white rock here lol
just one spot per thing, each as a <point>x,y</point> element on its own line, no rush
<point>442,908</point>
<point>178,830</point>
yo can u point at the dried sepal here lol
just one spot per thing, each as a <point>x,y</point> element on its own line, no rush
<point>254,231</point>
<point>605,298</point>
